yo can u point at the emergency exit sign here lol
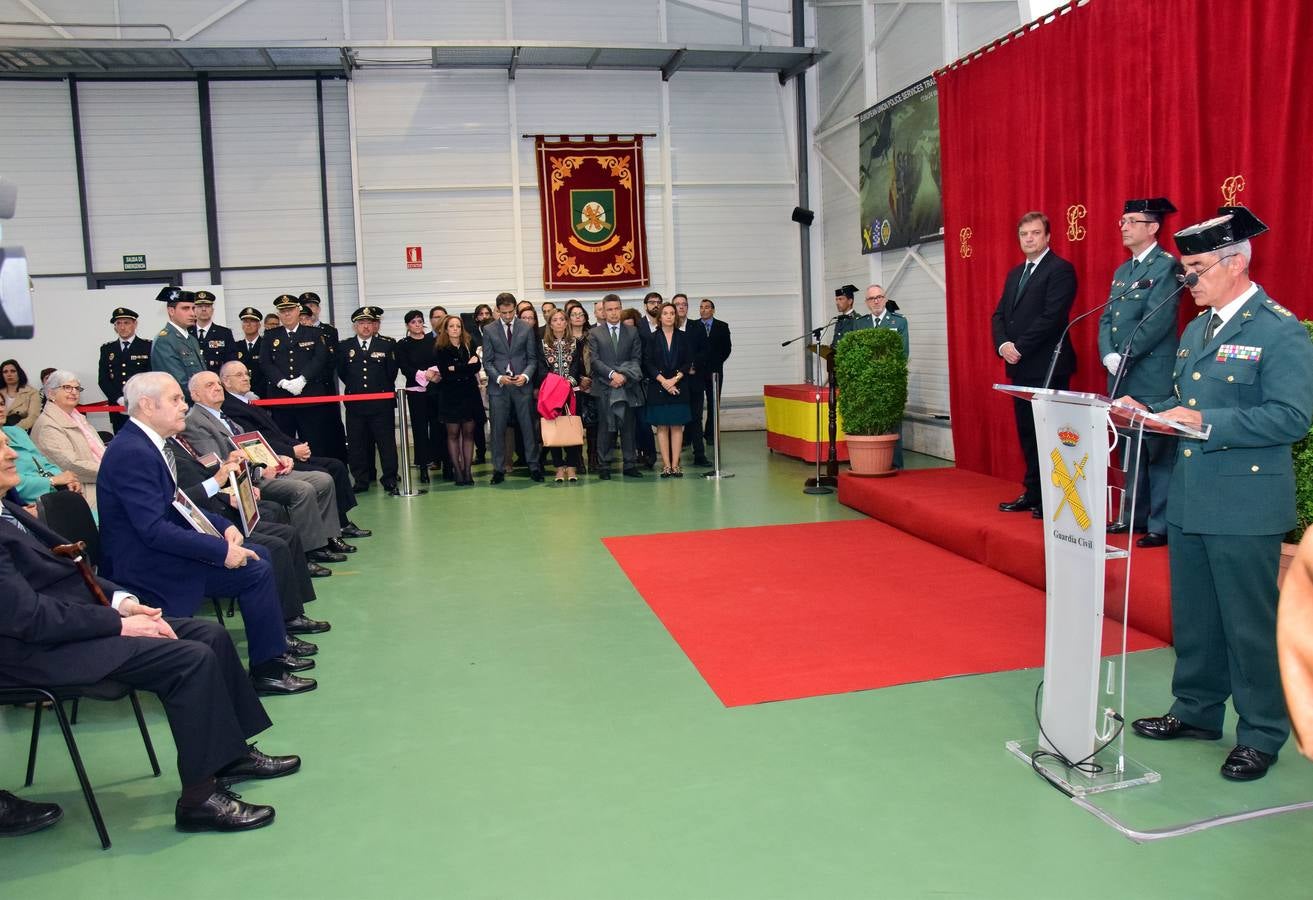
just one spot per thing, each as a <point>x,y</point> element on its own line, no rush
<point>133,262</point>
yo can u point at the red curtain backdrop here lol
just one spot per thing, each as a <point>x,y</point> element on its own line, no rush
<point>1114,100</point>
<point>594,229</point>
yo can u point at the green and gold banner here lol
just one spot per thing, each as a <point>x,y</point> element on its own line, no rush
<point>594,234</point>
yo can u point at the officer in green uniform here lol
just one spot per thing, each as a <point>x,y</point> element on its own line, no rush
<point>1244,368</point>
<point>121,358</point>
<point>1144,289</point>
<point>217,342</point>
<point>248,348</point>
<point>367,364</point>
<point>884,314</point>
<point>846,321</point>
<point>174,349</point>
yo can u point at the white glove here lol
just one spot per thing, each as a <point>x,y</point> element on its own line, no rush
<point>283,384</point>
<point>1111,362</point>
<point>296,385</point>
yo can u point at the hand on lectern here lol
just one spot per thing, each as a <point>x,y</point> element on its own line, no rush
<point>1128,400</point>
<point>1186,416</point>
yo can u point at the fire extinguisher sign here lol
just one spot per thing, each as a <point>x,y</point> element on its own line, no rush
<point>414,257</point>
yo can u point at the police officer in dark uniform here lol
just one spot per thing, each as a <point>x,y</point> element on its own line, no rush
<point>248,348</point>
<point>310,316</point>
<point>367,364</point>
<point>310,300</point>
<point>217,342</point>
<point>1147,370</point>
<point>121,358</point>
<point>293,359</point>
<point>1242,370</point>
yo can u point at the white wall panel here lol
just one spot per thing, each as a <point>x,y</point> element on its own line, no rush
<point>912,49</point>
<point>736,241</point>
<point>622,21</point>
<point>729,128</point>
<point>425,20</point>
<point>758,325</point>
<point>259,287</point>
<point>839,33</point>
<point>142,151</point>
<point>288,20</point>
<point>369,20</point>
<point>423,129</point>
<point>266,172</point>
<point>922,301</point>
<point>981,23</point>
<point>718,24</point>
<point>37,156</point>
<point>337,152</point>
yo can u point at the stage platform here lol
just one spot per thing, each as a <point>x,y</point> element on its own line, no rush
<point>958,511</point>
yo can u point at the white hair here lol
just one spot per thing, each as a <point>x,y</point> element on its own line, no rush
<point>230,367</point>
<point>196,379</point>
<point>1243,248</point>
<point>145,384</point>
<point>55,380</point>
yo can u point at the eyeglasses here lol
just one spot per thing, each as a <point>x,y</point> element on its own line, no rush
<point>1123,221</point>
<point>71,388</point>
<point>877,297</point>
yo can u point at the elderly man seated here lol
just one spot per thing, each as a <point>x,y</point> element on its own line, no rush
<point>308,496</point>
<point>53,632</point>
<point>176,561</point>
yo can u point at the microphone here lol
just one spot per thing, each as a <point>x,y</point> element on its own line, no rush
<point>815,333</point>
<point>1186,281</point>
<point>1143,284</point>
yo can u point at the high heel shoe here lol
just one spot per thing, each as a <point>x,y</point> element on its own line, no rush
<point>677,472</point>
<point>665,472</point>
<point>560,476</point>
<point>571,474</point>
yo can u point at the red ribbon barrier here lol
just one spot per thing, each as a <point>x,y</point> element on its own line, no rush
<point>279,401</point>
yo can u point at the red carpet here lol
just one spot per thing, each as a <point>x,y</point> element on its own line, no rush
<point>958,510</point>
<point>760,622</point>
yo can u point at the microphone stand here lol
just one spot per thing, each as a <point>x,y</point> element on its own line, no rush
<point>817,484</point>
<point>1124,363</point>
<point>1057,349</point>
<point>821,484</point>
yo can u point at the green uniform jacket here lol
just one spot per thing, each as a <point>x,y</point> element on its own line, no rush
<point>1149,370</point>
<point>846,322</point>
<point>1253,383</point>
<point>890,319</point>
<point>178,354</point>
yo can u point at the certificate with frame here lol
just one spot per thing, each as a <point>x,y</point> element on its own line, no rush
<point>248,510</point>
<point>257,449</point>
<point>192,513</point>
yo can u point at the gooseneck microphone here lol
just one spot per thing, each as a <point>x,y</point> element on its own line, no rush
<point>1143,284</point>
<point>1186,281</point>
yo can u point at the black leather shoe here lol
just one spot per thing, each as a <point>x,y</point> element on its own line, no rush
<point>317,571</point>
<point>303,624</point>
<point>604,474</point>
<point>702,462</point>
<point>1037,513</point>
<point>266,683</point>
<point>1168,728</point>
<point>1247,764</point>
<point>256,765</point>
<point>298,647</point>
<point>324,556</point>
<point>633,473</point>
<point>352,530</point>
<point>1118,528</point>
<point>424,476</point>
<point>497,478</point>
<point>289,663</point>
<point>536,474</point>
<point>337,545</point>
<point>359,488</point>
<point>1021,504</point>
<point>19,816</point>
<point>222,811</point>
<point>1152,539</point>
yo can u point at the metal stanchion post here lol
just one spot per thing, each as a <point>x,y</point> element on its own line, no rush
<point>715,399</point>
<point>404,488</point>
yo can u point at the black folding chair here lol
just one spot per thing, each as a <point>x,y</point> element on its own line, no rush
<point>68,515</point>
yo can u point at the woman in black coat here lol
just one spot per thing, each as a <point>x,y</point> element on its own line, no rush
<point>414,354</point>
<point>455,370</point>
<point>667,357</point>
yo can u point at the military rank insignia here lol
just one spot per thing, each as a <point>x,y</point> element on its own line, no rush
<point>1238,351</point>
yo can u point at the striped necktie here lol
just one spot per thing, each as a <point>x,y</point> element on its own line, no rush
<point>13,520</point>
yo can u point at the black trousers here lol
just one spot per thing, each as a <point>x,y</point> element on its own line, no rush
<point>370,430</point>
<point>318,424</point>
<point>207,696</point>
<point>287,554</point>
<point>1021,410</point>
<point>710,431</point>
<point>697,398</point>
<point>417,404</point>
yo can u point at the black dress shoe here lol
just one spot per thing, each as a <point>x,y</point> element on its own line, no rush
<point>536,474</point>
<point>1118,528</point>
<point>19,816</point>
<point>1247,764</point>
<point>633,473</point>
<point>352,530</point>
<point>1037,513</point>
<point>604,474</point>
<point>359,488</point>
<point>1152,539</point>
<point>289,663</point>
<point>703,462</point>
<point>298,647</point>
<point>317,571</point>
<point>1168,728</point>
<point>497,478</point>
<point>1021,504</point>
<point>337,545</point>
<point>222,811</point>
<point>303,624</point>
<point>324,556</point>
<point>256,765</point>
<point>270,682</point>
<point>423,476</point>
<point>480,458</point>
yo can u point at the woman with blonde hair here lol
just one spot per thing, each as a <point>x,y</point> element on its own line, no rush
<point>65,436</point>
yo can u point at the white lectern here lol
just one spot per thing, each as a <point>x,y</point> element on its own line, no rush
<point>1075,434</point>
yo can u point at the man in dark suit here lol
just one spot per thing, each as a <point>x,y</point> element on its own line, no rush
<point>719,348</point>
<point>617,371</point>
<point>1027,324</point>
<point>120,359</point>
<point>53,632</point>
<point>237,406</point>
<point>217,342</point>
<point>510,360</point>
<point>700,347</point>
<point>150,548</point>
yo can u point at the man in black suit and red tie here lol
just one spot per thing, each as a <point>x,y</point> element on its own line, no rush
<point>1027,325</point>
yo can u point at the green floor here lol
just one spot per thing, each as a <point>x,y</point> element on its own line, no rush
<point>501,716</point>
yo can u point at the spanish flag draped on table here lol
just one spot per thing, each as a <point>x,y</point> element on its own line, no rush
<point>594,234</point>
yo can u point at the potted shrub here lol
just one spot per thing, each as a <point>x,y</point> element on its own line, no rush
<point>871,372</point>
<point>1303,453</point>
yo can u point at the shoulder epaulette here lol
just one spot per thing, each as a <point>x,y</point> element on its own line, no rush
<point>164,332</point>
<point>1277,308</point>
